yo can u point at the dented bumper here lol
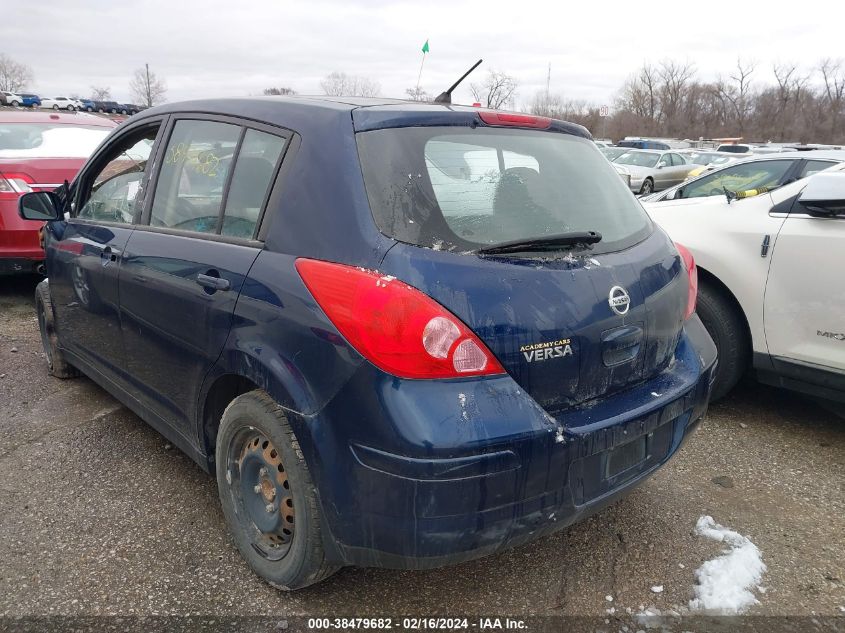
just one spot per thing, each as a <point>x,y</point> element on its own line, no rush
<point>417,474</point>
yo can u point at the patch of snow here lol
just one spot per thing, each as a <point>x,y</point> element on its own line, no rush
<point>655,394</point>
<point>609,598</point>
<point>682,566</point>
<point>657,589</point>
<point>725,583</point>
<point>559,439</point>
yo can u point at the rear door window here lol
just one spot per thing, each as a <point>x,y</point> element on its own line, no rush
<point>255,167</point>
<point>215,178</point>
<point>194,174</point>
<point>459,189</point>
<point>815,166</point>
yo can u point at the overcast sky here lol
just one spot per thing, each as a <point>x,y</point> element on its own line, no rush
<point>208,48</point>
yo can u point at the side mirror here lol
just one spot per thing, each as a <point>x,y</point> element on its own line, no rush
<point>824,195</point>
<point>40,205</point>
<point>671,195</point>
<point>661,165</point>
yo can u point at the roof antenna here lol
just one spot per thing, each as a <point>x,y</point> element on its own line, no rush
<point>446,97</point>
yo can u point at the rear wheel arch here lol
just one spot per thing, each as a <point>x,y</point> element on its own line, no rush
<point>238,374</point>
<point>219,395</point>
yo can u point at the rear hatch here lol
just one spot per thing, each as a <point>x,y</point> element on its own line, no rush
<point>569,322</point>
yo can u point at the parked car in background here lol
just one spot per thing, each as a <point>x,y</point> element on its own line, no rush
<point>653,170</point>
<point>88,105</point>
<point>381,371</point>
<point>766,149</point>
<point>750,174</point>
<point>643,144</point>
<point>708,161</point>
<point>612,153</point>
<point>61,103</point>
<point>38,152</point>
<point>24,100</point>
<point>112,107</point>
<point>13,99</point>
<point>770,274</point>
<point>734,148</point>
<point>129,108</point>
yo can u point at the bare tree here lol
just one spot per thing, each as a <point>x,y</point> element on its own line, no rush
<point>496,91</point>
<point>284,90</point>
<point>417,94</point>
<point>100,93</point>
<point>14,76</point>
<point>339,84</point>
<point>146,88</point>
<point>833,77</point>
<point>738,93</point>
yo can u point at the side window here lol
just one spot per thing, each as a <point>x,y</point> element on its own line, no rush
<point>193,176</point>
<point>256,163</point>
<point>678,160</point>
<point>742,177</point>
<point>814,166</point>
<point>110,194</point>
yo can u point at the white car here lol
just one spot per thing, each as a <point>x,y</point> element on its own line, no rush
<point>12,98</point>
<point>62,103</point>
<point>770,265</point>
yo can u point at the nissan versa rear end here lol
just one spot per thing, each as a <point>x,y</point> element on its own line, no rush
<point>437,331</point>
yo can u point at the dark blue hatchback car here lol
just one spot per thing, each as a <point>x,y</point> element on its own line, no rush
<point>401,334</point>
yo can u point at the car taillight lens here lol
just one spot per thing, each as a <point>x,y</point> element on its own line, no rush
<point>692,272</point>
<point>396,327</point>
<point>13,185</point>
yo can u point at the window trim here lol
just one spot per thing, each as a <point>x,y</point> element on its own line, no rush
<point>244,124</point>
<point>95,164</point>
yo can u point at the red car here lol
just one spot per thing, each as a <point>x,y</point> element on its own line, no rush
<point>38,152</point>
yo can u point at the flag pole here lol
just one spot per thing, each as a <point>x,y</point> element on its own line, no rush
<point>419,76</point>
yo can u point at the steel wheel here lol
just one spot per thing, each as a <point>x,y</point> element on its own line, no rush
<point>648,187</point>
<point>261,493</point>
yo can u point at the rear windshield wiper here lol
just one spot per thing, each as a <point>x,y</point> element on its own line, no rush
<point>542,244</point>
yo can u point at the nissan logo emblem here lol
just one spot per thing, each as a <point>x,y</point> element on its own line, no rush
<point>619,300</point>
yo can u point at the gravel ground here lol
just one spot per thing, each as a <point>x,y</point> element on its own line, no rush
<point>100,515</point>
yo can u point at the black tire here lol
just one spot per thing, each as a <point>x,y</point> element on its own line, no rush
<point>70,108</point>
<point>56,363</point>
<point>16,104</point>
<point>56,106</point>
<point>252,426</point>
<point>647,188</point>
<point>724,321</point>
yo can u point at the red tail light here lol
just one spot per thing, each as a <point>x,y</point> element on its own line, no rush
<point>12,185</point>
<point>395,326</point>
<point>507,119</point>
<point>692,271</point>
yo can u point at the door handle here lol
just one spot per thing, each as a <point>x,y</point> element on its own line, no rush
<point>213,283</point>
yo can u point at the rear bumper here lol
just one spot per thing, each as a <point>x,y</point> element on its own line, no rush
<point>20,249</point>
<point>425,473</point>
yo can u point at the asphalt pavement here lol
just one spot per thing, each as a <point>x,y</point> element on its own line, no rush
<point>99,514</point>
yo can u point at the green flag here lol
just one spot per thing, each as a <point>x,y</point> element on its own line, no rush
<point>425,47</point>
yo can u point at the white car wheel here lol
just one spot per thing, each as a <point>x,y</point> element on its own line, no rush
<point>56,107</point>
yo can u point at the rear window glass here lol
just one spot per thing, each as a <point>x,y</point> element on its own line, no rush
<point>463,189</point>
<point>48,140</point>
